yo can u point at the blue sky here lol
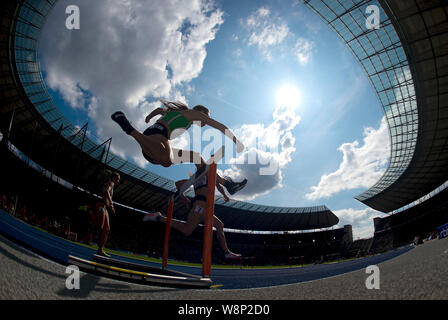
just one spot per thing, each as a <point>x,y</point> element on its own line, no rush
<point>329,144</point>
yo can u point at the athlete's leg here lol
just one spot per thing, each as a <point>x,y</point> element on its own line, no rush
<point>157,147</point>
<point>100,212</point>
<point>220,233</point>
<point>93,217</point>
<point>219,225</point>
<point>231,186</point>
<point>186,156</point>
<point>220,179</point>
<point>103,225</point>
<point>195,216</point>
<point>196,158</point>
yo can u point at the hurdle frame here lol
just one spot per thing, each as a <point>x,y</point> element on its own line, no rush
<point>208,225</point>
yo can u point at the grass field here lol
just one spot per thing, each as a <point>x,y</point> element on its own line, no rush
<point>182,263</point>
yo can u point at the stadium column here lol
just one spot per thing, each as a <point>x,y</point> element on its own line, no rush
<point>8,135</point>
<point>55,154</point>
<point>106,143</point>
<point>33,136</point>
<point>81,152</point>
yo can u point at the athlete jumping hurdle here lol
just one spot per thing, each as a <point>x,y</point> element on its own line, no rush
<point>196,214</point>
<point>155,140</point>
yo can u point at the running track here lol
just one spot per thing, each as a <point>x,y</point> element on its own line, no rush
<point>58,249</point>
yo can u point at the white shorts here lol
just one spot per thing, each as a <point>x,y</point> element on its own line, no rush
<point>199,210</point>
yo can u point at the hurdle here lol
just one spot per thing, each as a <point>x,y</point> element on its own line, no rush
<point>210,170</point>
<point>138,272</point>
<point>208,223</point>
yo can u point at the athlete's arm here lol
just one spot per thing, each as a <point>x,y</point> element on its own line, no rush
<point>194,115</point>
<point>154,113</point>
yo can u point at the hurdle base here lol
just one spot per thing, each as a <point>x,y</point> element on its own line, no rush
<point>137,273</point>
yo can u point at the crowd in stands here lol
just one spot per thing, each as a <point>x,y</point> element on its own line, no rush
<point>420,239</point>
<point>71,219</point>
<point>44,203</point>
<point>412,226</point>
<point>76,222</point>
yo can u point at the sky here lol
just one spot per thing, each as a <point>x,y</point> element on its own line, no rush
<point>271,71</point>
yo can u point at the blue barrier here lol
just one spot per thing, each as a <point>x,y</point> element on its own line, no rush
<point>443,231</point>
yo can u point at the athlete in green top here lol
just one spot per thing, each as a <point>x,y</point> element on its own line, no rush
<point>155,141</point>
<point>174,120</point>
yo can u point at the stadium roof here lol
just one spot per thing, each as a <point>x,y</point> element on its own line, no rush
<point>41,131</point>
<point>406,60</point>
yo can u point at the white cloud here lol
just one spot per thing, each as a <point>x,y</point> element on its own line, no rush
<point>257,184</point>
<point>361,221</point>
<point>269,35</point>
<point>303,50</point>
<point>125,52</point>
<point>268,151</point>
<point>268,32</point>
<point>68,88</point>
<point>237,52</point>
<point>361,167</point>
<point>265,32</point>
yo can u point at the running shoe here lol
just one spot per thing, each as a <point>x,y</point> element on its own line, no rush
<point>234,187</point>
<point>123,122</point>
<point>153,216</point>
<point>102,253</point>
<point>231,255</point>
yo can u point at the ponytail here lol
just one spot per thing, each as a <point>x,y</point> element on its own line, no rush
<point>174,105</point>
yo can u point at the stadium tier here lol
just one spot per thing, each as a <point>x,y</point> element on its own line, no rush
<point>406,60</point>
<point>51,204</point>
<point>32,122</point>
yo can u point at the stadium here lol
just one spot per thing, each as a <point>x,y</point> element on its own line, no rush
<point>51,168</point>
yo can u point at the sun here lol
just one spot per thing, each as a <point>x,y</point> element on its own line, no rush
<point>288,96</point>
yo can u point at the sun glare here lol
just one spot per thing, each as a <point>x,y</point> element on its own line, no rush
<point>288,96</point>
